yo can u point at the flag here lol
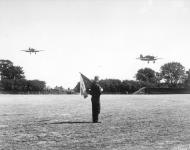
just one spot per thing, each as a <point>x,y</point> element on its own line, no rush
<point>85,84</point>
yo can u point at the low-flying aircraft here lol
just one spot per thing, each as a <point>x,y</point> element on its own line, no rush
<point>32,50</point>
<point>148,58</point>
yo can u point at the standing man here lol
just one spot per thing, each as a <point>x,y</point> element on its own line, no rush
<point>95,90</point>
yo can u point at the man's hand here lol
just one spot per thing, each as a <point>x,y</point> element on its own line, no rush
<point>88,91</point>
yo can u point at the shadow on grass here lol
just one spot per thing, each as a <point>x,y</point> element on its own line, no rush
<point>72,122</point>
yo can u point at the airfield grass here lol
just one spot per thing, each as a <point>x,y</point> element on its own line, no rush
<point>128,122</point>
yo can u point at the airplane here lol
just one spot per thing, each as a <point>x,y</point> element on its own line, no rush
<point>32,50</point>
<point>148,58</point>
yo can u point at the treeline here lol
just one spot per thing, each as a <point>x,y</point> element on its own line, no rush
<point>116,86</point>
<point>22,85</point>
<point>58,90</point>
<point>13,79</point>
<point>171,75</point>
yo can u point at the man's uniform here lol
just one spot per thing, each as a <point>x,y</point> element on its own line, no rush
<point>95,91</point>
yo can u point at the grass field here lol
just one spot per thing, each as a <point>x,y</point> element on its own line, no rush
<point>128,122</point>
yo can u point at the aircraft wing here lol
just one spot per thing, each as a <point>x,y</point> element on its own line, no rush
<point>25,50</point>
<point>39,50</point>
<point>145,59</point>
<point>157,58</point>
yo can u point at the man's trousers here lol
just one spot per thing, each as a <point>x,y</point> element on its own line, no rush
<point>95,108</point>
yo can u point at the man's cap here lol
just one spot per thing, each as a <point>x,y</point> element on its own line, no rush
<point>96,78</point>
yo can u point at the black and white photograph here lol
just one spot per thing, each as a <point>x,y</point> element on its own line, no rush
<point>94,74</point>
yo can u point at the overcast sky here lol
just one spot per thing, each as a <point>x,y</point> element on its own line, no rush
<point>95,37</point>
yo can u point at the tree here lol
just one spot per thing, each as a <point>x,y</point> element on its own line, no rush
<point>173,73</point>
<point>36,85</point>
<point>9,71</point>
<point>111,85</point>
<point>4,64</point>
<point>7,84</point>
<point>20,85</point>
<point>187,81</point>
<point>11,76</point>
<point>13,79</point>
<point>130,86</point>
<point>146,75</point>
<point>13,72</point>
<point>14,85</point>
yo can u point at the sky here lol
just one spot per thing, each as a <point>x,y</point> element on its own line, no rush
<point>95,37</point>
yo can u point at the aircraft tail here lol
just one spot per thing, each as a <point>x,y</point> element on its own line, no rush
<point>141,56</point>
